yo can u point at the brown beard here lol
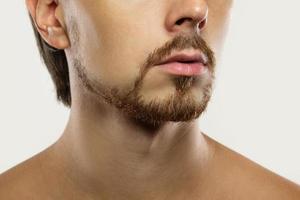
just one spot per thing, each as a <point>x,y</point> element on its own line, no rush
<point>179,106</point>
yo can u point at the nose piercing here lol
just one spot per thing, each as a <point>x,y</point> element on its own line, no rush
<point>200,25</point>
<point>197,28</point>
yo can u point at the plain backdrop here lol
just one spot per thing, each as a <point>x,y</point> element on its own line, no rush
<point>254,109</point>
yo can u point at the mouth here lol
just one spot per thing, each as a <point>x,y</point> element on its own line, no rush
<point>187,64</point>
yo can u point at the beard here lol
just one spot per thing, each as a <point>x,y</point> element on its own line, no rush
<point>181,105</point>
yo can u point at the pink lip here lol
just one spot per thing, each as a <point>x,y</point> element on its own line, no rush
<point>192,57</point>
<point>185,63</point>
<point>187,69</point>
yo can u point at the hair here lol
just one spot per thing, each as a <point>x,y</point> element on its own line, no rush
<point>57,65</point>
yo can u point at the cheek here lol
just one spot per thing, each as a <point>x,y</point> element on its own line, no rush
<point>112,48</point>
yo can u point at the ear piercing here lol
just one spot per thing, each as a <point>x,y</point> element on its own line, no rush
<point>50,30</point>
<point>50,33</point>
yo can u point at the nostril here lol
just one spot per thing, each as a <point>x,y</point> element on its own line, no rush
<point>180,21</point>
<point>202,24</point>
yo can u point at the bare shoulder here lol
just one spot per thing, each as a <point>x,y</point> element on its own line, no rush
<point>23,181</point>
<point>246,179</point>
<point>40,177</point>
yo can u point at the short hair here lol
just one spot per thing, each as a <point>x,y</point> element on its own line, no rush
<point>57,65</point>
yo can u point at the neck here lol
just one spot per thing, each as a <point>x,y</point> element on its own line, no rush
<point>113,157</point>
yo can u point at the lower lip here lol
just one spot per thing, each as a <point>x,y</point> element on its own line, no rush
<point>186,69</point>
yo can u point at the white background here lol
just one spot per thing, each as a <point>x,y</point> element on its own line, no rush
<point>255,106</point>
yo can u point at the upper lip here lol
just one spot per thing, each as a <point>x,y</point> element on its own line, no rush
<point>185,57</point>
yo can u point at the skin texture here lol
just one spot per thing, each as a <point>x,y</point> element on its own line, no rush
<point>119,144</point>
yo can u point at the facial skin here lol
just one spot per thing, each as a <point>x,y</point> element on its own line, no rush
<point>180,100</point>
<point>112,49</point>
<point>115,45</point>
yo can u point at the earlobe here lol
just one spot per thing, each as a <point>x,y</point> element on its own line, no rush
<point>45,16</point>
<point>56,37</point>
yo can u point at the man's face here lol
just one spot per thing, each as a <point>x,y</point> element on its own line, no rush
<point>115,45</point>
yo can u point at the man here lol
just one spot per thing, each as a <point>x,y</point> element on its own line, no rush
<point>137,75</point>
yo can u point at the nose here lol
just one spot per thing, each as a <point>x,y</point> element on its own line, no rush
<point>186,15</point>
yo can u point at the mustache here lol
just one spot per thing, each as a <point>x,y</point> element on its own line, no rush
<point>180,43</point>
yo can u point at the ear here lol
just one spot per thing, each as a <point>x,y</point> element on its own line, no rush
<point>47,16</point>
